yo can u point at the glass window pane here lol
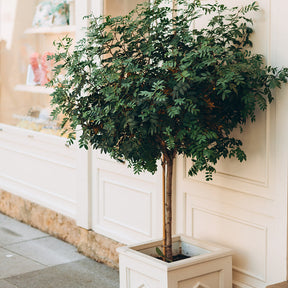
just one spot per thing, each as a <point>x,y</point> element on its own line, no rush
<point>27,34</point>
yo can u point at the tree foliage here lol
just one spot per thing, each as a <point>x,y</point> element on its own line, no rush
<point>155,82</point>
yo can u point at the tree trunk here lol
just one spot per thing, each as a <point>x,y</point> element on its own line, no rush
<point>168,210</point>
<point>164,203</point>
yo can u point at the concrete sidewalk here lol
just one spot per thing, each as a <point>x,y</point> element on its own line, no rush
<point>30,258</point>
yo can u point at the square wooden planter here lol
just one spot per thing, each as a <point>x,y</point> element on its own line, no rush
<point>208,266</point>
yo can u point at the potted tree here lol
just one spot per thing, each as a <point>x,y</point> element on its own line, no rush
<point>153,85</point>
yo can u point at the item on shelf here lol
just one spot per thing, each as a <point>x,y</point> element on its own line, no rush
<point>30,125</point>
<point>45,114</point>
<point>40,69</point>
<point>46,68</point>
<point>30,120</point>
<point>30,76</point>
<point>39,119</point>
<point>50,13</point>
<point>60,12</point>
<point>36,69</point>
<point>43,15</point>
<point>52,131</point>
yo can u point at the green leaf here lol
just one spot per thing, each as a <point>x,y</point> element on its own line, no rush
<point>159,252</point>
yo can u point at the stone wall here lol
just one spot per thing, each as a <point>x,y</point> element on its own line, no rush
<point>89,243</point>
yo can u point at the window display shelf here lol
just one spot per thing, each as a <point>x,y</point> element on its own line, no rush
<point>34,89</point>
<point>51,29</point>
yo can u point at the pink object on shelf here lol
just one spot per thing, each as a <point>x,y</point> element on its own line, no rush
<point>46,68</point>
<point>34,61</point>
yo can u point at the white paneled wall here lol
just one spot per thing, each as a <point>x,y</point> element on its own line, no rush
<point>126,207</point>
<point>40,168</point>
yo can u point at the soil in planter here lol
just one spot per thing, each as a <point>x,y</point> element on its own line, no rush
<point>179,257</point>
<point>175,258</point>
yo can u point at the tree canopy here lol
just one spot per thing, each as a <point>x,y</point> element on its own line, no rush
<point>155,82</point>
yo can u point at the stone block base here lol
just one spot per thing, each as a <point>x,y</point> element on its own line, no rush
<point>89,243</point>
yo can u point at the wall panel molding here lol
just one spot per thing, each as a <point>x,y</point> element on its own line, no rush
<point>255,176</point>
<point>37,194</point>
<point>130,202</point>
<point>247,239</point>
<point>125,205</point>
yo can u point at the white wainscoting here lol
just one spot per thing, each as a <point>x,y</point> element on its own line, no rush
<point>246,237</point>
<point>125,206</point>
<point>39,168</point>
<point>238,220</point>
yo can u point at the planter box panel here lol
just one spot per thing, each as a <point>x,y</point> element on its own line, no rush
<point>213,274</point>
<point>203,281</point>
<point>133,274</point>
<point>139,280</point>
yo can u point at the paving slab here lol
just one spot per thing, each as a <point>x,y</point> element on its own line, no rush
<point>12,231</point>
<point>5,284</point>
<point>13,264</point>
<point>48,251</point>
<point>30,258</point>
<point>4,218</point>
<point>79,274</point>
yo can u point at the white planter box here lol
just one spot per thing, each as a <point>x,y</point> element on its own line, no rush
<point>210,266</point>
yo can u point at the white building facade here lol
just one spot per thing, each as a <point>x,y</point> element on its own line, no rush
<point>243,208</point>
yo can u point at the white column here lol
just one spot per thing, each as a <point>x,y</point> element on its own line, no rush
<point>97,7</point>
<point>82,8</point>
